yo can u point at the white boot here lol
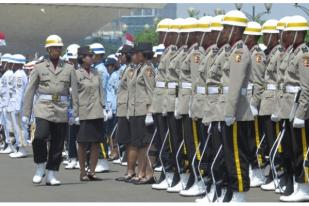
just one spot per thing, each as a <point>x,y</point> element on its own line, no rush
<point>223,193</point>
<point>117,161</point>
<point>39,173</point>
<point>51,179</point>
<point>77,166</point>
<point>209,197</point>
<point>238,197</point>
<point>102,166</point>
<point>163,185</point>
<point>256,179</point>
<point>22,152</point>
<point>180,185</point>
<point>301,194</point>
<point>269,187</point>
<point>8,150</point>
<point>198,188</point>
<point>71,164</point>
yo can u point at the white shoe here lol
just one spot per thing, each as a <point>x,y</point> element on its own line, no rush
<point>102,166</point>
<point>165,183</point>
<point>223,193</point>
<point>20,154</point>
<point>8,150</point>
<point>269,187</point>
<point>124,163</point>
<point>209,197</point>
<point>180,185</point>
<point>51,179</point>
<point>117,161</point>
<point>279,190</point>
<point>198,188</point>
<point>72,164</point>
<point>256,179</point>
<point>238,197</point>
<point>39,173</point>
<point>158,169</point>
<point>301,194</point>
<point>77,165</point>
<point>65,162</point>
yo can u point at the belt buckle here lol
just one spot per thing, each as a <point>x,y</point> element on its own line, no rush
<point>55,98</point>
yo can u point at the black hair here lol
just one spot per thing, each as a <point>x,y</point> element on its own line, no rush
<point>80,59</point>
<point>148,55</point>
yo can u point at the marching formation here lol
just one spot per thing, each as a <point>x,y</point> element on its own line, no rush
<point>212,108</point>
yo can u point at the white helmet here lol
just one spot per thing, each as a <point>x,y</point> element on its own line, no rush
<point>176,25</point>
<point>216,23</point>
<point>297,23</point>
<point>5,57</point>
<point>235,18</point>
<point>53,40</point>
<point>189,25</point>
<point>18,59</point>
<point>203,24</point>
<point>97,48</point>
<point>270,26</point>
<point>282,23</point>
<point>164,25</point>
<point>253,28</point>
<point>72,51</point>
<point>159,50</point>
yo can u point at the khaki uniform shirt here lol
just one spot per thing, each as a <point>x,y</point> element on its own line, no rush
<point>237,102</point>
<point>199,82</point>
<point>55,82</point>
<point>268,97</point>
<point>160,79</point>
<point>122,92</point>
<point>90,94</point>
<point>141,90</point>
<point>172,77</point>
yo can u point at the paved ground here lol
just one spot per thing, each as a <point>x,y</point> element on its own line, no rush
<point>16,176</point>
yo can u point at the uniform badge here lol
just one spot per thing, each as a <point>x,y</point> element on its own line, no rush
<point>149,72</point>
<point>237,57</point>
<point>258,58</point>
<point>131,72</point>
<point>197,59</point>
<point>306,61</point>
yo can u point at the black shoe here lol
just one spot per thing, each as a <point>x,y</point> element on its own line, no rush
<point>125,178</point>
<point>145,181</point>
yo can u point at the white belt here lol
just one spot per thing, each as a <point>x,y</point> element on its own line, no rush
<point>160,84</point>
<point>271,87</point>
<point>172,85</point>
<point>200,90</point>
<point>250,87</point>
<point>213,90</point>
<point>55,98</point>
<point>186,85</point>
<point>225,90</point>
<point>292,89</point>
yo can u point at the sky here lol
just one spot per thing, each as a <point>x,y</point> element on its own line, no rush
<point>278,10</point>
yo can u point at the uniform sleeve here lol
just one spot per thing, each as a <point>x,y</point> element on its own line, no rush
<point>74,93</point>
<point>238,72</point>
<point>30,91</point>
<point>258,72</point>
<point>101,91</point>
<point>149,79</point>
<point>304,83</point>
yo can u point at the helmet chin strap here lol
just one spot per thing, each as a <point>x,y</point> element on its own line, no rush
<point>202,39</point>
<point>218,37</point>
<point>281,37</point>
<point>231,33</point>
<point>187,38</point>
<point>246,39</point>
<point>295,36</point>
<point>269,40</point>
<point>165,35</point>
<point>177,40</point>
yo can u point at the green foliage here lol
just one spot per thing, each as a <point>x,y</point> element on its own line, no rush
<point>148,35</point>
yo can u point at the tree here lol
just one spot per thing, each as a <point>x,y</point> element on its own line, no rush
<point>148,35</point>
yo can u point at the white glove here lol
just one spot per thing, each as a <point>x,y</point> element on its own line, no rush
<point>229,120</point>
<point>110,114</point>
<point>105,116</point>
<point>190,102</point>
<point>275,118</point>
<point>149,119</point>
<point>164,113</point>
<point>76,121</point>
<point>298,123</point>
<point>25,120</point>
<point>177,116</point>
<point>254,110</point>
<point>71,121</point>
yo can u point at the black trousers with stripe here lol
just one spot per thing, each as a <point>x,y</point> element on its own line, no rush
<point>295,145</point>
<point>161,125</point>
<point>176,138</point>
<point>235,150</point>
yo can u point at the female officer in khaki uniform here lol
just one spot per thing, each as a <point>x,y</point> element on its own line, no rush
<point>139,111</point>
<point>90,96</point>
